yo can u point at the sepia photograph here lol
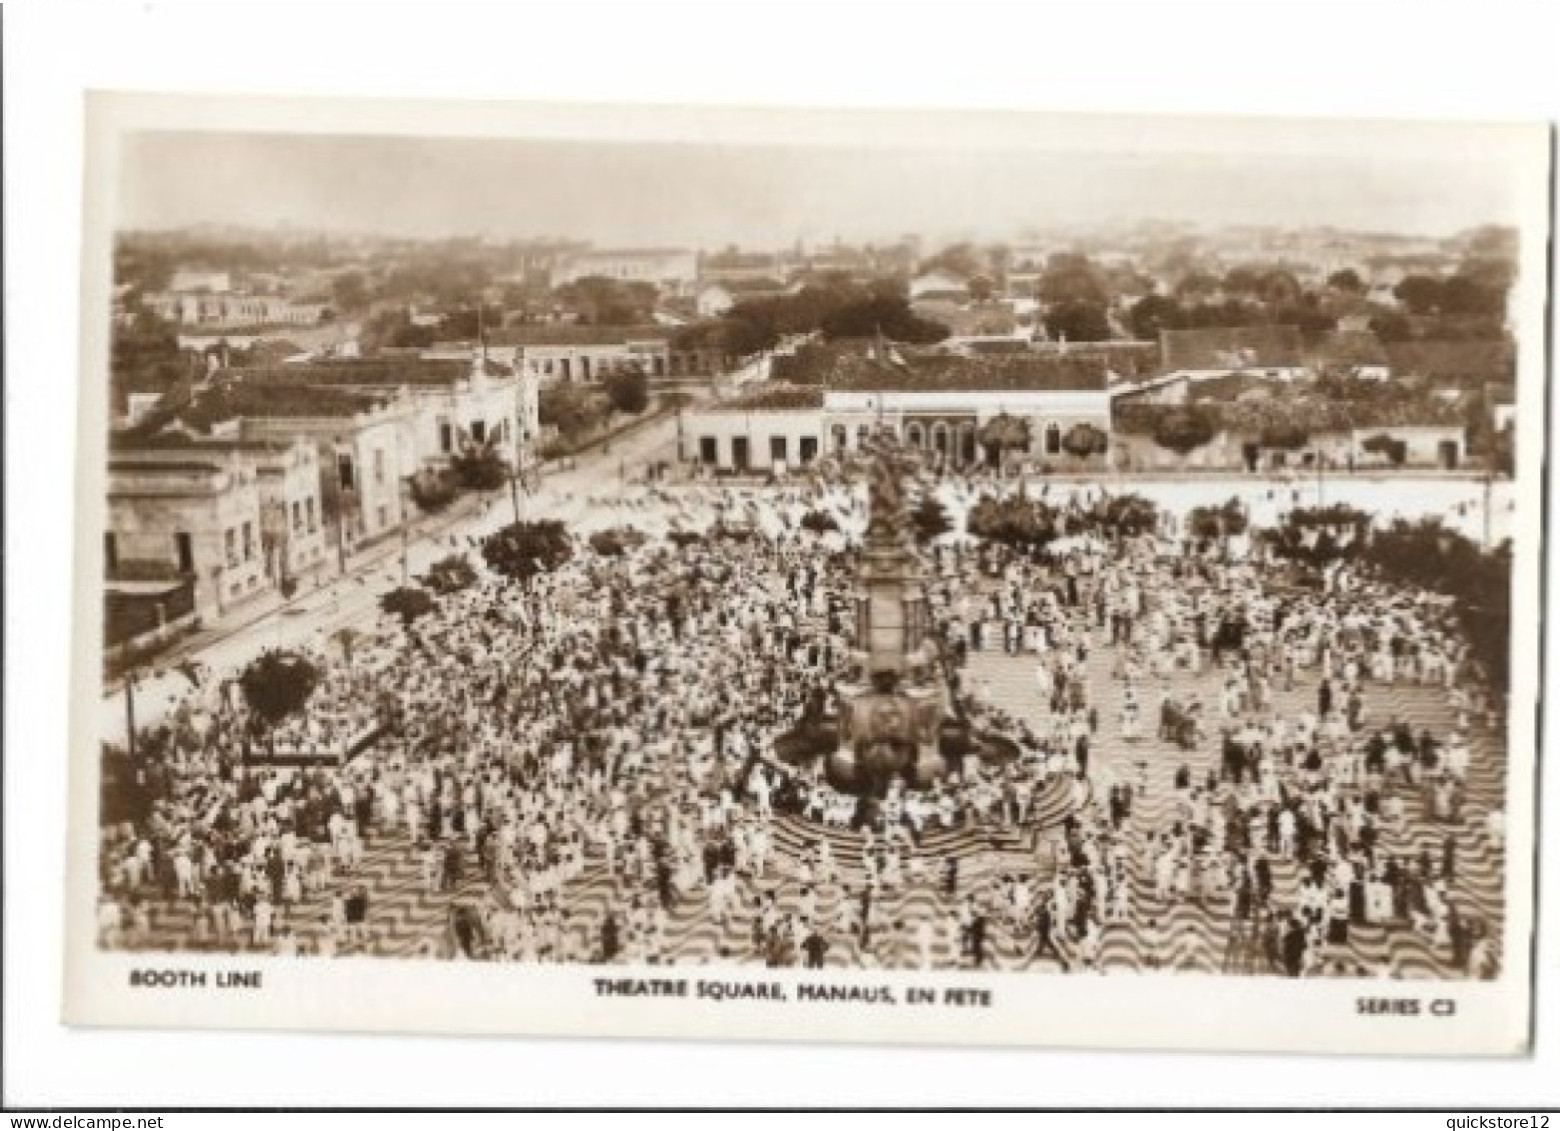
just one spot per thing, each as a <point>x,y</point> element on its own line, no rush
<point>842,576</point>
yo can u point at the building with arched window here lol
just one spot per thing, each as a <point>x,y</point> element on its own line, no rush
<point>937,403</point>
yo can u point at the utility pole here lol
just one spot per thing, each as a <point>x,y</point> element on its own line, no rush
<point>1489,491</point>
<point>130,710</point>
<point>514,487</point>
<point>1320,496</point>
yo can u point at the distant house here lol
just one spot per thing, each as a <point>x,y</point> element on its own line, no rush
<point>672,269</point>
<point>942,285</point>
<point>741,266</point>
<point>715,299</point>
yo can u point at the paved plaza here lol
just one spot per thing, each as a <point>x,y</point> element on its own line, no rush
<point>1182,933</point>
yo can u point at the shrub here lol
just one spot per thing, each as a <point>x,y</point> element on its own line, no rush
<point>1183,430</point>
<point>819,522</point>
<point>408,603</point>
<point>616,542</point>
<point>1085,440</point>
<point>449,575</point>
<point>629,391</point>
<point>432,491</point>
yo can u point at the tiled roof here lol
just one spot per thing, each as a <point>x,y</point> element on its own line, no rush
<point>234,400</point>
<point>1235,347</point>
<point>383,371</point>
<point>1348,348</point>
<point>568,334</point>
<point>1464,362</point>
<point>848,366</point>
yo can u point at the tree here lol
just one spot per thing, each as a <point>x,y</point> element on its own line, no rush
<point>930,518</point>
<point>1391,327</point>
<point>278,684</point>
<point>1070,279</point>
<point>573,410</point>
<point>1421,294</point>
<point>433,490</point>
<point>479,467</point>
<point>408,603</point>
<point>981,288</point>
<point>1152,314</point>
<point>349,293</point>
<point>1318,536</point>
<point>1347,280</point>
<point>629,391</point>
<point>449,575</point>
<point>1078,322</point>
<point>522,550</point>
<point>1005,433</point>
<point>601,301</point>
<point>961,259</point>
<point>1085,440</point>
<point>144,357</point>
<point>1285,435</point>
<point>1184,429</point>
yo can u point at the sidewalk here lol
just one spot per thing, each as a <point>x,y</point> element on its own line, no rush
<point>322,581</point>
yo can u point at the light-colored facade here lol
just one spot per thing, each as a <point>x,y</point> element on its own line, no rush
<point>946,424</point>
<point>196,308</point>
<point>672,269</point>
<point>363,466</point>
<point>193,515</point>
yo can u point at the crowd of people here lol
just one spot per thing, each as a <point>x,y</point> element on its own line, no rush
<point>583,763</point>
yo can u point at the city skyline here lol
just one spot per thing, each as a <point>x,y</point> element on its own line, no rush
<point>678,194</point>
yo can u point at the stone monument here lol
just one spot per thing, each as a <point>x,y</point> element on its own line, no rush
<point>892,705</point>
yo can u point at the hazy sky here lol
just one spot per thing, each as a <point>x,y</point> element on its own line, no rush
<point>766,196</point>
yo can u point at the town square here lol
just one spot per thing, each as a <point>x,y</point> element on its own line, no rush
<point>1116,600</point>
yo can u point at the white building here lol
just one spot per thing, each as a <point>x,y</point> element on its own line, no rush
<point>670,269</point>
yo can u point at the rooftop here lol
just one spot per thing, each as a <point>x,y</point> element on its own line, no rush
<point>570,334</point>
<point>1235,347</point>
<point>849,366</point>
<point>383,371</point>
<point>1463,362</point>
<point>233,400</point>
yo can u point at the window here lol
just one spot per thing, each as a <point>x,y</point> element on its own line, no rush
<point>777,449</point>
<point>709,451</point>
<point>184,550</point>
<point>1053,439</point>
<point>344,467</point>
<point>379,465</point>
<point>297,515</point>
<point>915,436</point>
<point>110,552</point>
<point>308,511</point>
<point>230,546</point>
<point>384,515</point>
<point>446,436</point>
<point>840,437</point>
<point>479,431</point>
<point>249,541</point>
<point>809,448</point>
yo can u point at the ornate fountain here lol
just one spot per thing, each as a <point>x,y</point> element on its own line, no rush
<point>895,717</point>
